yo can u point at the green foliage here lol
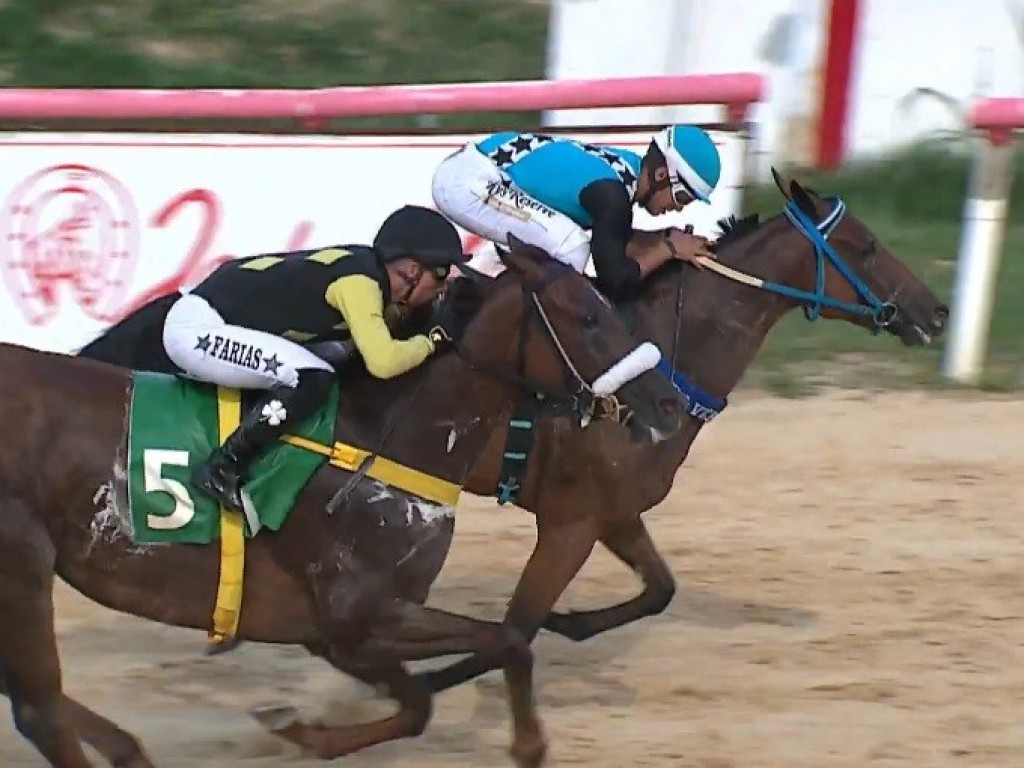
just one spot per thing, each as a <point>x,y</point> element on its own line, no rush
<point>260,43</point>
<point>925,182</point>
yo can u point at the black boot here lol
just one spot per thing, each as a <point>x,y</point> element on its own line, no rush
<point>224,472</point>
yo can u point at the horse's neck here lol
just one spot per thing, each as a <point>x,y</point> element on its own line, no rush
<point>725,323</point>
<point>437,422</point>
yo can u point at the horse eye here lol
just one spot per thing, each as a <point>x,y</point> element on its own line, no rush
<point>590,321</point>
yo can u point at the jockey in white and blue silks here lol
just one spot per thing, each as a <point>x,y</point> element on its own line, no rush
<point>548,191</point>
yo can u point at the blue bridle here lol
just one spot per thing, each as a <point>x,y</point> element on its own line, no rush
<point>882,313</point>
<point>705,406</point>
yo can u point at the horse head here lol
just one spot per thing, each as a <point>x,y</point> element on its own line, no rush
<point>859,279</point>
<point>542,326</point>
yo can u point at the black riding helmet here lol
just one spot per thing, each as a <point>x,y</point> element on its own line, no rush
<point>422,234</point>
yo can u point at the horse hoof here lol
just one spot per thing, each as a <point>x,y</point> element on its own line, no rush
<point>276,719</point>
<point>529,755</point>
<point>569,625</point>
<point>138,760</point>
<point>284,723</point>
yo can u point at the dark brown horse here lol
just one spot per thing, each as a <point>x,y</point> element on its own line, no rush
<point>711,326</point>
<point>348,586</point>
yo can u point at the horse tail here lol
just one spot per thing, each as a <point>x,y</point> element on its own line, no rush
<point>135,341</point>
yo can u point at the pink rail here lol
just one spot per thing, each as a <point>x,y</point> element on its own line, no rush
<point>1000,117</point>
<point>734,91</point>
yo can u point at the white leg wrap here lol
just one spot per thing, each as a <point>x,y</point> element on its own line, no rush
<point>636,363</point>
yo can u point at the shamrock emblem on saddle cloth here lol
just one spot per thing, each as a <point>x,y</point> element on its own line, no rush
<point>274,413</point>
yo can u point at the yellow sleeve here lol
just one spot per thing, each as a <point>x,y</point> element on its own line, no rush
<point>359,300</point>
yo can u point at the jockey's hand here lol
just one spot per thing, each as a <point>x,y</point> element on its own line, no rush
<point>447,327</point>
<point>439,338</point>
<point>688,247</point>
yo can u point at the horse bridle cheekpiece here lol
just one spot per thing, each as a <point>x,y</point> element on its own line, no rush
<point>588,402</point>
<point>882,313</point>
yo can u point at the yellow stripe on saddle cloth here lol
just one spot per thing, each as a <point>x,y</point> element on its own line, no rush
<point>228,608</point>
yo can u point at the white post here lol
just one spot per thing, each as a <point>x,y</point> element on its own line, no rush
<point>978,260</point>
<point>746,135</point>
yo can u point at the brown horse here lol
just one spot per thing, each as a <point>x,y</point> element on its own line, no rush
<point>348,586</point>
<point>710,324</point>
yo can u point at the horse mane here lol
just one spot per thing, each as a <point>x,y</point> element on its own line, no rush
<point>733,230</point>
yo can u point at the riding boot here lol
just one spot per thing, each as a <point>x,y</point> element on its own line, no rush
<point>225,470</point>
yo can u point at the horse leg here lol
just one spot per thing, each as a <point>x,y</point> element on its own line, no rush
<point>632,544</point>
<point>120,748</point>
<point>329,742</point>
<point>492,645</point>
<point>556,559</point>
<point>28,643</point>
<point>408,632</point>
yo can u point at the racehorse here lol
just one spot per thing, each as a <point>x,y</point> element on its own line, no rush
<point>710,323</point>
<point>710,326</point>
<point>348,585</point>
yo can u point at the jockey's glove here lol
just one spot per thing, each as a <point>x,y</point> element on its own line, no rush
<point>448,327</point>
<point>439,337</point>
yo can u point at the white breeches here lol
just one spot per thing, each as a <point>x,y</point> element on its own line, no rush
<point>205,347</point>
<point>474,193</point>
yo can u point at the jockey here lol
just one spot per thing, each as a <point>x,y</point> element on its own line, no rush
<point>546,191</point>
<point>243,325</point>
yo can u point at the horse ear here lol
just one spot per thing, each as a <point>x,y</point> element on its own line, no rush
<point>780,183</point>
<point>802,198</point>
<point>475,275</point>
<point>523,259</point>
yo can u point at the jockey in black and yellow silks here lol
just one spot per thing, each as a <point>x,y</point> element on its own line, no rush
<point>244,325</point>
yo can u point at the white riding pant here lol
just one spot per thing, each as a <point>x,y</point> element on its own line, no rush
<point>205,347</point>
<point>473,192</point>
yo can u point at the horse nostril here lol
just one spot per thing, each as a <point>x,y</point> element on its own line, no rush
<point>669,406</point>
<point>940,317</point>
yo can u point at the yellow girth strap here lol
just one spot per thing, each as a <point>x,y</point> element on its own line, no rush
<point>391,473</point>
<point>232,535</point>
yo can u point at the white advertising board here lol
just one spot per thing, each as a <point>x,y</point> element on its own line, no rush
<point>93,225</point>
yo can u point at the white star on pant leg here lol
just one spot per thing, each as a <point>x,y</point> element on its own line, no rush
<point>274,413</point>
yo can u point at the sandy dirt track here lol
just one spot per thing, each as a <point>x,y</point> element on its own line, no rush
<point>851,573</point>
